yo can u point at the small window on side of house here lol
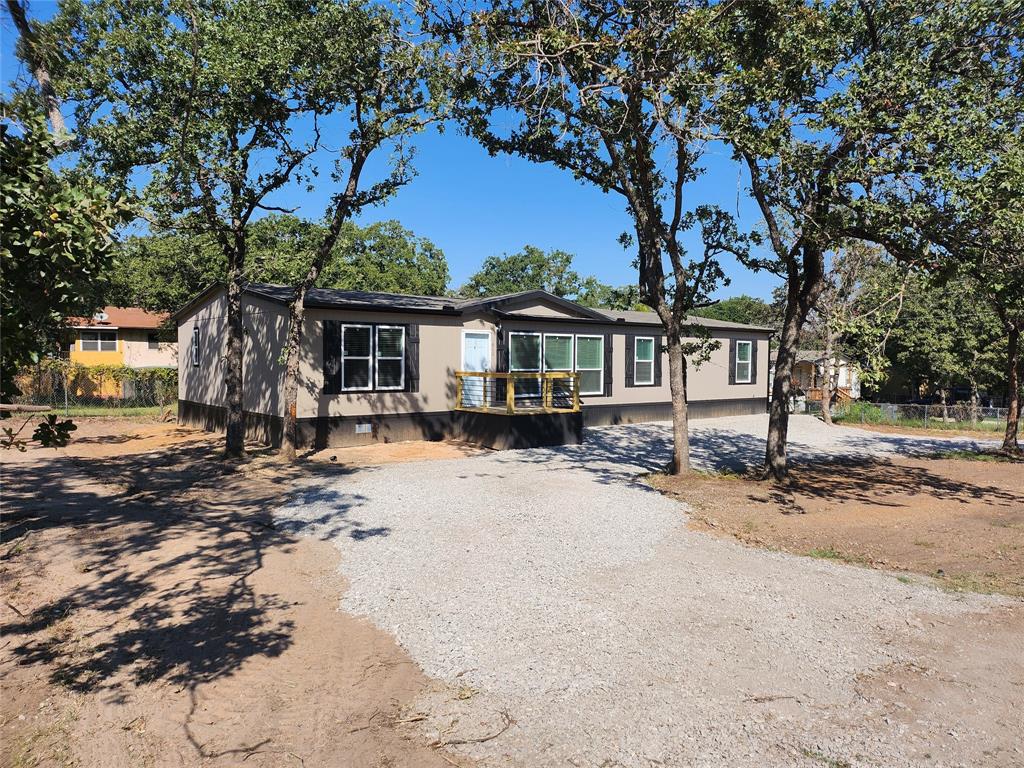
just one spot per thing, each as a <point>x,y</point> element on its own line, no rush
<point>744,354</point>
<point>195,346</point>
<point>643,361</point>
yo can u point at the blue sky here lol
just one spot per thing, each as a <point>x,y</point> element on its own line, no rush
<point>472,205</point>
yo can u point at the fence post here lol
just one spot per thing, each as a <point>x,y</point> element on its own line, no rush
<point>510,395</point>
<point>66,410</point>
<point>926,416</point>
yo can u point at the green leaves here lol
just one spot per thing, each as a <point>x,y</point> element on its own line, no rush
<point>55,244</point>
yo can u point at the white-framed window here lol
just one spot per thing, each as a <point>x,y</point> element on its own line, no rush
<point>558,352</point>
<point>590,364</point>
<point>389,370</point>
<point>643,360</point>
<point>356,358</point>
<point>195,346</point>
<point>524,354</point>
<point>744,352</point>
<point>98,341</point>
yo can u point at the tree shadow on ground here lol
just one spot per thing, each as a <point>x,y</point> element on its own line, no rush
<point>168,541</point>
<point>882,483</point>
<point>621,453</point>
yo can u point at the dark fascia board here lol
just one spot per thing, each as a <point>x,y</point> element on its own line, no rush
<point>617,322</point>
<point>504,302</point>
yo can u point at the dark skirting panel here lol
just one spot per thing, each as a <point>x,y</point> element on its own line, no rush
<point>259,427</point>
<point>494,430</point>
<point>504,432</point>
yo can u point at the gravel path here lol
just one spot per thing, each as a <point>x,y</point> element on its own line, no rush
<point>551,585</point>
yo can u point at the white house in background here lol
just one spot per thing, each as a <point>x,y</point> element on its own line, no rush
<point>811,368</point>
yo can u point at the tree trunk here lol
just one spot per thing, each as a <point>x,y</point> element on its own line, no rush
<point>826,380</point>
<point>778,412</point>
<point>234,444</point>
<point>36,60</point>
<point>974,403</point>
<point>1010,443</point>
<point>680,425</point>
<point>296,319</point>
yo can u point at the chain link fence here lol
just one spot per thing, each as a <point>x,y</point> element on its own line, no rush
<point>80,390</point>
<point>962,415</point>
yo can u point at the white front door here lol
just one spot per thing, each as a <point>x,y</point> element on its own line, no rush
<point>476,356</point>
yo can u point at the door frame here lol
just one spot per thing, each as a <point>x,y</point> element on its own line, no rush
<point>490,347</point>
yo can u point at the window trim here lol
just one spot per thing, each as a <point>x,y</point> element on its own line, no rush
<point>572,351</point>
<point>97,332</point>
<point>377,358</point>
<point>749,362</point>
<point>195,346</point>
<point>636,359</point>
<point>540,361</point>
<point>599,392</point>
<point>371,378</point>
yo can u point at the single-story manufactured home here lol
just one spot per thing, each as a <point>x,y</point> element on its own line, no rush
<point>520,370</point>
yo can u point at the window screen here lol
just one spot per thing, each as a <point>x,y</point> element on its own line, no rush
<point>356,357</point>
<point>524,355</point>
<point>390,357</point>
<point>99,341</point>
<point>643,365</point>
<point>557,353</point>
<point>743,362</point>
<point>590,364</point>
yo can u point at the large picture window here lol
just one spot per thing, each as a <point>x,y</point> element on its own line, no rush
<point>390,368</point>
<point>743,362</point>
<point>98,341</point>
<point>356,357</point>
<point>590,364</point>
<point>524,354</point>
<point>643,360</point>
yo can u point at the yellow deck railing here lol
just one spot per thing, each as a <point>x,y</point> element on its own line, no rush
<point>517,392</point>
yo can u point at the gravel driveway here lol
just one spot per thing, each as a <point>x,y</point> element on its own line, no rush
<point>551,585</point>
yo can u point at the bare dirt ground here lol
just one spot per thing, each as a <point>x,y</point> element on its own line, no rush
<point>956,520</point>
<point>152,615</point>
<point>390,453</point>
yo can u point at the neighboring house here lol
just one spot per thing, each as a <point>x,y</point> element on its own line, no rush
<point>122,336</point>
<point>116,336</point>
<point>811,368</point>
<point>510,371</point>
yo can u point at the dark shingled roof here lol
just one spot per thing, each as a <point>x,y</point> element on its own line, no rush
<point>326,298</point>
<point>332,298</point>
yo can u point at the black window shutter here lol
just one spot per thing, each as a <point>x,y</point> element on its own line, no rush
<point>332,357</point>
<point>657,361</point>
<point>732,361</point>
<point>753,361</point>
<point>607,365</point>
<point>412,358</point>
<point>630,360</point>
<point>502,365</point>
